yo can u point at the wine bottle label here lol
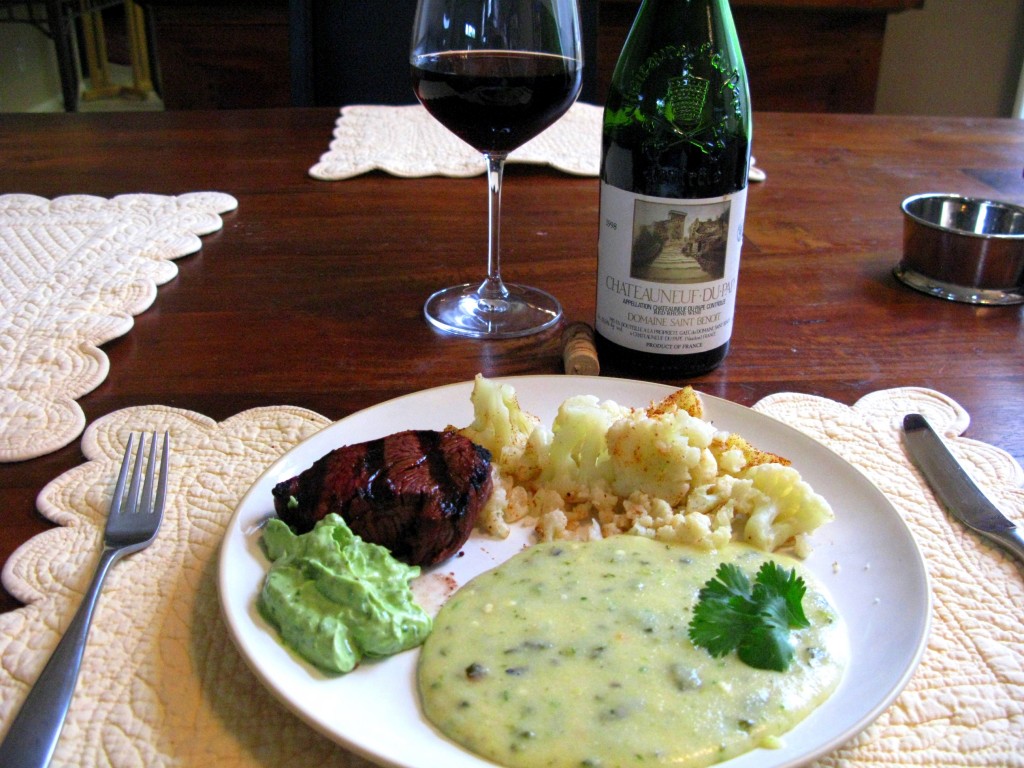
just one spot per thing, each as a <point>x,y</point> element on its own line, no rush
<point>667,270</point>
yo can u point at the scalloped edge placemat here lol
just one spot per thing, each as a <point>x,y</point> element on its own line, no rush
<point>75,271</point>
<point>163,685</point>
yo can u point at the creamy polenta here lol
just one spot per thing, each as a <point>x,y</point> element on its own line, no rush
<point>577,654</point>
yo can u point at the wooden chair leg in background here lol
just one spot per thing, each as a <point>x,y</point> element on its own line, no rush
<point>142,77</point>
<point>100,85</point>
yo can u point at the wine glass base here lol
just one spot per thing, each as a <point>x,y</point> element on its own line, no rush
<point>462,311</point>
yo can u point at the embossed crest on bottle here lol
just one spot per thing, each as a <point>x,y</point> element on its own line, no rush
<point>669,97</point>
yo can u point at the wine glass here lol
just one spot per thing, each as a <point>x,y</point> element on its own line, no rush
<point>495,73</point>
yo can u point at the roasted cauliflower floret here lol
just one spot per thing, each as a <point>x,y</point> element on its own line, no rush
<point>783,507</point>
<point>499,424</point>
<point>575,451</point>
<point>686,400</point>
<point>663,457</point>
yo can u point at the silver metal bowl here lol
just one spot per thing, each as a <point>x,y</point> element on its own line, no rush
<point>963,249</point>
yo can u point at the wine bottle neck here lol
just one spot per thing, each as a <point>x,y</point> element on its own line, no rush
<point>684,21</point>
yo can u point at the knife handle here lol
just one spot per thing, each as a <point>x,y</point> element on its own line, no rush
<point>1011,540</point>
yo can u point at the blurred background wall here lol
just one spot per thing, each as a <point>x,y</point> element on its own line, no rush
<point>28,70</point>
<point>953,57</point>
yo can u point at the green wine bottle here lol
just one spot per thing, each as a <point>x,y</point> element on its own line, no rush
<point>674,164</point>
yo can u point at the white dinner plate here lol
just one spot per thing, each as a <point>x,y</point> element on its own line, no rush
<point>866,558</point>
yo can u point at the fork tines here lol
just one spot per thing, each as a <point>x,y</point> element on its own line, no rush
<point>132,502</point>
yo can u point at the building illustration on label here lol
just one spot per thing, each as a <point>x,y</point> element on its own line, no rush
<point>674,244</point>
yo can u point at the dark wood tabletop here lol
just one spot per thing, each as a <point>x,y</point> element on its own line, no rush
<point>312,292</point>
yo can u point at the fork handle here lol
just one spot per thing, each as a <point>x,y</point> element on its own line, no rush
<point>32,737</point>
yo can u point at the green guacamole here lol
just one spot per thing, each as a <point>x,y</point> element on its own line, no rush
<point>335,598</point>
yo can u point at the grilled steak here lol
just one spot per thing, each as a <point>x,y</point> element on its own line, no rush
<point>416,492</point>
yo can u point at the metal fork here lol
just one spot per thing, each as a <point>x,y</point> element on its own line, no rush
<point>133,523</point>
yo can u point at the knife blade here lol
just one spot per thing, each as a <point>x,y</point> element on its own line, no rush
<point>954,487</point>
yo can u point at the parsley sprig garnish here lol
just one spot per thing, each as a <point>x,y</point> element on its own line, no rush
<point>753,620</point>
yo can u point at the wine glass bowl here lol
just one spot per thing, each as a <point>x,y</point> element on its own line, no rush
<point>495,73</point>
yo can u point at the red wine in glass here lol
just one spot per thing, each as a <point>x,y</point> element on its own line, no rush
<point>495,73</point>
<point>496,101</point>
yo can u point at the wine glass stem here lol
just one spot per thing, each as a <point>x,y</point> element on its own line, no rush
<point>492,290</point>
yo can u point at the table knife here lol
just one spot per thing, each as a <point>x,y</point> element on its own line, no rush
<point>954,487</point>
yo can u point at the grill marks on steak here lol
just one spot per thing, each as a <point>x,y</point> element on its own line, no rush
<point>416,492</point>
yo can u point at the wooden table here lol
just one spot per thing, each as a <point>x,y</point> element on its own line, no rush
<point>311,294</point>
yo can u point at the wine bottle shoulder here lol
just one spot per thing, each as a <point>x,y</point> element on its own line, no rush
<point>677,116</point>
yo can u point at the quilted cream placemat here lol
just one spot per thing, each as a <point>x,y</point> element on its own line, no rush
<point>73,272</point>
<point>163,685</point>
<point>406,141</point>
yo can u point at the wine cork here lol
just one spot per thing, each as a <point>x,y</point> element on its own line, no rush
<point>579,355</point>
